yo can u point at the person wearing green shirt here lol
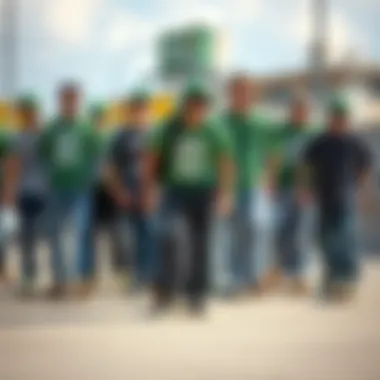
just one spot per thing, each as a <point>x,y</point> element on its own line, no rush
<point>293,215</point>
<point>252,138</point>
<point>69,149</point>
<point>189,158</point>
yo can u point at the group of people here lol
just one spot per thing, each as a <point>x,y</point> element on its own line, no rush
<point>202,172</point>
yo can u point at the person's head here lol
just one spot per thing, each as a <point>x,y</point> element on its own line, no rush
<point>196,104</point>
<point>138,108</point>
<point>69,100</point>
<point>299,112</point>
<point>28,112</point>
<point>339,116</point>
<point>241,93</point>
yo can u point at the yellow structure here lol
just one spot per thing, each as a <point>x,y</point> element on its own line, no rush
<point>7,115</point>
<point>162,106</point>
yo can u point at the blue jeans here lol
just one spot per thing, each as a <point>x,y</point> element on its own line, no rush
<point>188,213</point>
<point>251,236</point>
<point>87,264</point>
<point>31,209</point>
<point>293,233</point>
<point>141,259</point>
<point>337,234</point>
<point>70,213</point>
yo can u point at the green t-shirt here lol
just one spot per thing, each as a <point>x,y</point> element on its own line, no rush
<point>253,140</point>
<point>70,150</point>
<point>5,143</point>
<point>291,141</point>
<point>194,153</point>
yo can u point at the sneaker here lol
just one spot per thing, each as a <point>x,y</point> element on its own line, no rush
<point>162,301</point>
<point>57,292</point>
<point>298,286</point>
<point>27,288</point>
<point>197,307</point>
<point>272,280</point>
<point>3,276</point>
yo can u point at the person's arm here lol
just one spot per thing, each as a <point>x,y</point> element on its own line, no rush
<point>227,173</point>
<point>364,157</point>
<point>273,159</point>
<point>113,179</point>
<point>366,193</point>
<point>304,173</point>
<point>11,173</point>
<point>267,142</point>
<point>150,168</point>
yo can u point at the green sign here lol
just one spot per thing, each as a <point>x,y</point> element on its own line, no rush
<point>186,52</point>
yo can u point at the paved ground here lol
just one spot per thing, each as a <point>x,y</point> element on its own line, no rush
<point>112,337</point>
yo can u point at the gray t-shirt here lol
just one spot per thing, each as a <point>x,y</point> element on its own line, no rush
<point>33,179</point>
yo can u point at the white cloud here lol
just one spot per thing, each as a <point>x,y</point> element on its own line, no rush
<point>126,28</point>
<point>72,21</point>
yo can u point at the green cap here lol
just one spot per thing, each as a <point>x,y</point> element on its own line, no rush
<point>339,105</point>
<point>27,102</point>
<point>139,96</point>
<point>197,91</point>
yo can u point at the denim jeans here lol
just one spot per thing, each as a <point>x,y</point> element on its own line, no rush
<point>337,235</point>
<point>31,208</point>
<point>191,209</point>
<point>242,245</point>
<point>2,257</point>
<point>87,260</point>
<point>136,225</point>
<point>293,233</point>
<point>69,224</point>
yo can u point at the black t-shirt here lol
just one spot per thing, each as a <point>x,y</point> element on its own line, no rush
<point>336,163</point>
<point>126,153</point>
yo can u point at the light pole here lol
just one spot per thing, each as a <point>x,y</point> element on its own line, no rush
<point>319,50</point>
<point>8,75</point>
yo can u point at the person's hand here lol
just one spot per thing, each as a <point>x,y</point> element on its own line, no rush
<point>123,199</point>
<point>8,223</point>
<point>225,204</point>
<point>304,197</point>
<point>150,201</point>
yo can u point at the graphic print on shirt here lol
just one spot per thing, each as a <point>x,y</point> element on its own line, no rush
<point>190,158</point>
<point>67,150</point>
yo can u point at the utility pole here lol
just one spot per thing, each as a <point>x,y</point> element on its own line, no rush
<point>8,46</point>
<point>319,51</point>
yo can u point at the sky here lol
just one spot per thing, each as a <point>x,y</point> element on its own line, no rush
<point>109,45</point>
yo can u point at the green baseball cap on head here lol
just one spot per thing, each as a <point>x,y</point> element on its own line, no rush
<point>27,102</point>
<point>339,105</point>
<point>197,90</point>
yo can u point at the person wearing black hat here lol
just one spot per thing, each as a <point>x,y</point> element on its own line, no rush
<point>336,165</point>
<point>69,149</point>
<point>189,159</point>
<point>125,186</point>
